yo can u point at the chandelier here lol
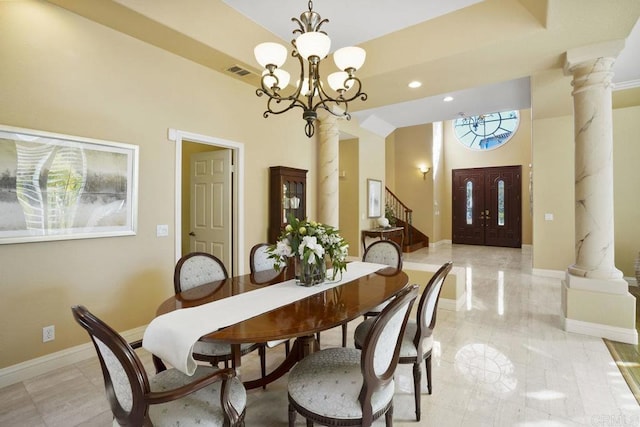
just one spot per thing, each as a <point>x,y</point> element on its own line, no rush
<point>310,47</point>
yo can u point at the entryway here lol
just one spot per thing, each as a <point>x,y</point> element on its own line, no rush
<point>487,206</point>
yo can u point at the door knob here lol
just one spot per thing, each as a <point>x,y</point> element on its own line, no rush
<point>192,234</point>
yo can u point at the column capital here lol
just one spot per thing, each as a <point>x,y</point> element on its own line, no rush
<point>585,55</point>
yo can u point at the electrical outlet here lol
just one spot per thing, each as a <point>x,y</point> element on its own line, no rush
<point>48,333</point>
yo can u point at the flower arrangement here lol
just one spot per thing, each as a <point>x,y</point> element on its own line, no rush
<point>310,242</point>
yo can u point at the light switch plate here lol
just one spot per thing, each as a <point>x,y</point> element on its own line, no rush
<point>162,230</point>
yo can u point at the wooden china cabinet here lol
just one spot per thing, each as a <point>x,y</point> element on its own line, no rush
<point>287,196</point>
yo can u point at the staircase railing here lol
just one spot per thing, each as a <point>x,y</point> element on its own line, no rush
<point>400,211</point>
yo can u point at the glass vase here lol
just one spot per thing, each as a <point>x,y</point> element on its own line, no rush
<point>310,274</point>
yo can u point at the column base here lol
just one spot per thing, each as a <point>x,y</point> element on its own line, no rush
<point>600,308</point>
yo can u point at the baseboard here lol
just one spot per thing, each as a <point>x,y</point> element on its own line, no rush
<point>41,365</point>
<point>452,305</point>
<point>439,243</point>
<point>557,274</point>
<point>614,333</point>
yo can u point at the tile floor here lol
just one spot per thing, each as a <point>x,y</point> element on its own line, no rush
<point>502,360</point>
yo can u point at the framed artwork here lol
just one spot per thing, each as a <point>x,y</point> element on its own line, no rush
<point>374,198</point>
<point>60,187</point>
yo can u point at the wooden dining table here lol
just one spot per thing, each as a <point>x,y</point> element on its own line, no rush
<point>299,320</point>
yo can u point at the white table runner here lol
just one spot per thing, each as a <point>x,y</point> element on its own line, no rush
<point>172,336</point>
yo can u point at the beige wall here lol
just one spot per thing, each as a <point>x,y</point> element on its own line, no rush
<point>412,148</point>
<point>371,164</point>
<point>72,76</point>
<point>439,181</point>
<point>390,162</point>
<point>626,190</point>
<point>349,189</point>
<point>553,193</point>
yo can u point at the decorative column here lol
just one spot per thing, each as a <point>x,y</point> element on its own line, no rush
<point>328,196</point>
<point>593,281</point>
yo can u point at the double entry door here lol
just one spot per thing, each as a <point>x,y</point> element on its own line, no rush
<point>487,206</point>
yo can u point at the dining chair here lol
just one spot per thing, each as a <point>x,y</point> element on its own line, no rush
<point>259,261</point>
<point>385,252</point>
<point>417,342</point>
<point>347,386</point>
<point>195,269</point>
<point>213,397</point>
<point>259,258</point>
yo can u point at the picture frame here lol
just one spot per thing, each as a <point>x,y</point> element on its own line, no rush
<point>374,198</point>
<point>62,187</point>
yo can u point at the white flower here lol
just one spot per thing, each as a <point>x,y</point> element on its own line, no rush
<point>283,249</point>
<point>311,243</point>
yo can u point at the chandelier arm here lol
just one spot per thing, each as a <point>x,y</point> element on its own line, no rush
<point>270,108</point>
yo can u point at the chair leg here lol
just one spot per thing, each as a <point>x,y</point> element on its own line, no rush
<point>428,365</point>
<point>263,364</point>
<point>318,338</point>
<point>344,334</point>
<point>292,415</point>
<point>417,378</point>
<point>309,423</point>
<point>388,417</point>
<point>287,348</point>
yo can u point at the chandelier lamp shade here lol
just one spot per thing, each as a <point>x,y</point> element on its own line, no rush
<point>310,48</point>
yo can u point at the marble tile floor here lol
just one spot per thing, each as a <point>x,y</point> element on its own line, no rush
<point>503,360</point>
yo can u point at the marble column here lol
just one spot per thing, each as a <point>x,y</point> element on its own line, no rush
<point>328,196</point>
<point>595,297</point>
<point>593,131</point>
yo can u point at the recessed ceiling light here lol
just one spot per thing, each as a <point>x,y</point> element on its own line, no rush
<point>448,98</point>
<point>415,84</point>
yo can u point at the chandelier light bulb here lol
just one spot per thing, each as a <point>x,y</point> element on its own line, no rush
<point>269,53</point>
<point>313,43</point>
<point>338,81</point>
<point>282,78</point>
<point>351,57</point>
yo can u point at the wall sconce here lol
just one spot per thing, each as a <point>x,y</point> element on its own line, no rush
<point>424,170</point>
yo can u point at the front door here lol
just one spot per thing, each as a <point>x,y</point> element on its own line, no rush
<point>210,197</point>
<point>487,206</point>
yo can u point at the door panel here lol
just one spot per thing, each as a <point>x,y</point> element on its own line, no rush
<point>211,204</point>
<point>503,221</point>
<point>486,206</point>
<point>467,207</point>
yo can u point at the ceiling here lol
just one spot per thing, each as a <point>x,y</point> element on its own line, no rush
<point>486,54</point>
<point>353,22</point>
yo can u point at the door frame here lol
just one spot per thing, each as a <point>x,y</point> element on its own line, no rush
<point>237,191</point>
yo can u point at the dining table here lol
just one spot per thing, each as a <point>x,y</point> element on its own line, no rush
<point>300,320</point>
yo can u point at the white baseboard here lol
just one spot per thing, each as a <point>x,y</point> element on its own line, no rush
<point>41,365</point>
<point>439,243</point>
<point>614,333</point>
<point>557,274</point>
<point>453,305</point>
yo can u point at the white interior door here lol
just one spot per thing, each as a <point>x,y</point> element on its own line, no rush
<point>210,201</point>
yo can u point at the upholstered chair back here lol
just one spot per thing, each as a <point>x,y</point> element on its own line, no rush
<point>381,350</point>
<point>259,258</point>
<point>197,268</point>
<point>428,304</point>
<point>125,379</point>
<point>385,252</point>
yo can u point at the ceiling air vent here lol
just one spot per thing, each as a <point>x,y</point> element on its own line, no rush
<point>238,71</point>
